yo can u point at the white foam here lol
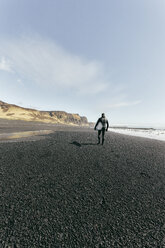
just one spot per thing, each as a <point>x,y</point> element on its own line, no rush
<point>157,134</point>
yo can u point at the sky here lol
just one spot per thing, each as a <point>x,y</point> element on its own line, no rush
<point>86,57</point>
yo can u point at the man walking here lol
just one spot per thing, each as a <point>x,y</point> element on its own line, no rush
<point>102,125</point>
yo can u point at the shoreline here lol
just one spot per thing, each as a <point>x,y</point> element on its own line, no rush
<point>26,131</point>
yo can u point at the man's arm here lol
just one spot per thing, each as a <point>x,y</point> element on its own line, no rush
<point>97,124</point>
<point>107,125</point>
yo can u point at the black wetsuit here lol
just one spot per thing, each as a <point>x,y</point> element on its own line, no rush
<point>105,126</point>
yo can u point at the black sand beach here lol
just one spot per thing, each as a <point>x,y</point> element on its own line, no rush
<point>66,191</point>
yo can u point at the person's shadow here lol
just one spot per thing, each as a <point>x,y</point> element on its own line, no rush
<point>82,144</point>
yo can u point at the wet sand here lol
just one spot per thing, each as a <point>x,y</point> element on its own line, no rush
<point>66,191</point>
<point>10,126</point>
<point>16,130</point>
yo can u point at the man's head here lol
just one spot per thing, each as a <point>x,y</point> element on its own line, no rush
<point>103,115</point>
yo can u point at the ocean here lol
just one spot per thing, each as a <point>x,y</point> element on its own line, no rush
<point>151,133</point>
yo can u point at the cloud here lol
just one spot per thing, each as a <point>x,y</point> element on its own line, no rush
<point>44,63</point>
<point>48,75</point>
<point>5,65</point>
<point>19,81</point>
<point>123,104</point>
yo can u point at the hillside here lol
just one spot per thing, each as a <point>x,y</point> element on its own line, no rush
<point>14,112</point>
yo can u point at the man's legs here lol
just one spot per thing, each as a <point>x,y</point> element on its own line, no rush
<point>99,132</point>
<point>103,132</point>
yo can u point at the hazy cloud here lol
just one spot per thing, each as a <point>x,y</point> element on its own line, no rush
<point>5,65</point>
<point>19,81</point>
<point>46,64</point>
<point>123,104</point>
<point>46,71</point>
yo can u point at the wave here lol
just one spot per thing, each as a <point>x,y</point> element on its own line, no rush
<point>151,133</point>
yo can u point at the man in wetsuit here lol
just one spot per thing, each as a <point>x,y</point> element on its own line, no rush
<point>105,125</point>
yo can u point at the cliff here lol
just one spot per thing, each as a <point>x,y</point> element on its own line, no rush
<point>14,112</point>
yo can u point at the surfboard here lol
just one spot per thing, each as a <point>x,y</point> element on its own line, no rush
<point>99,126</point>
